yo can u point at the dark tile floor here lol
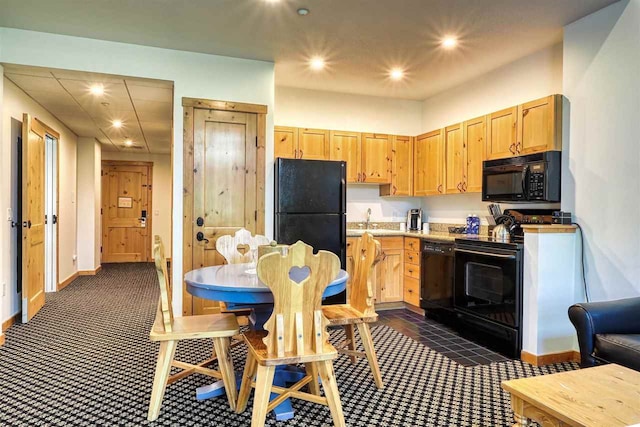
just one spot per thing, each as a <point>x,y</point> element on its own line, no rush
<point>439,337</point>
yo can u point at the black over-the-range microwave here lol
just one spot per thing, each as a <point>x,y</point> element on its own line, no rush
<point>531,178</point>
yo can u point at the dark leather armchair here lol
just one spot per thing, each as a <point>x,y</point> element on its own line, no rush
<point>608,332</point>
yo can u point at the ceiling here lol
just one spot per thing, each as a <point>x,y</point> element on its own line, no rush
<point>144,106</point>
<point>360,39</point>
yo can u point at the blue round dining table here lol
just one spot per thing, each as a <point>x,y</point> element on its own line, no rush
<point>238,286</point>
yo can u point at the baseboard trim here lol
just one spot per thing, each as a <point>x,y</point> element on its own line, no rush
<point>1,339</point>
<point>90,272</point>
<point>11,321</point>
<point>548,359</point>
<point>67,281</point>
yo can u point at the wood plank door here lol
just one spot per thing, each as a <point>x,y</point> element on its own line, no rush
<point>346,146</point>
<point>126,208</point>
<point>224,185</point>
<point>313,144</point>
<point>376,158</point>
<point>474,141</point>
<point>501,133</point>
<point>285,142</point>
<point>540,125</point>
<point>455,170</point>
<point>429,159</point>
<point>33,220</point>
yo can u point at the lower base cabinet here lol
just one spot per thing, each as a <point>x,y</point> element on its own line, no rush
<point>411,291</point>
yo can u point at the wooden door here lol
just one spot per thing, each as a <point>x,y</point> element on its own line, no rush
<point>350,267</point>
<point>313,144</point>
<point>33,221</point>
<point>429,159</point>
<point>376,158</point>
<point>540,125</point>
<point>455,170</point>
<point>126,208</point>
<point>401,168</point>
<point>346,146</point>
<point>224,185</point>
<point>501,133</point>
<point>285,142</point>
<point>474,141</point>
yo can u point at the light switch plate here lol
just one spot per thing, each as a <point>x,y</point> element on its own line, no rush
<point>9,214</point>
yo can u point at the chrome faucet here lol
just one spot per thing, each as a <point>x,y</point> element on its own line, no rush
<point>368,218</point>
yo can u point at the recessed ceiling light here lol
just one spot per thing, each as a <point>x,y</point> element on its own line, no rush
<point>97,90</point>
<point>117,123</point>
<point>449,42</point>
<point>396,74</point>
<point>303,11</point>
<point>317,63</point>
<point>128,143</point>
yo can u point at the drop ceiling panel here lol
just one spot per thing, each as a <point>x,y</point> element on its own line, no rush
<point>79,125</point>
<point>86,76</point>
<point>26,70</point>
<point>153,111</point>
<point>161,125</point>
<point>149,82</point>
<point>40,84</point>
<point>144,93</point>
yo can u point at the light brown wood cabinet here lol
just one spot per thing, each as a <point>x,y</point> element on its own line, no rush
<point>297,143</point>
<point>401,168</point>
<point>376,158</point>
<point>429,164</point>
<point>465,144</point>
<point>346,146</point>
<point>411,279</point>
<point>455,169</point>
<point>285,142</point>
<point>531,127</point>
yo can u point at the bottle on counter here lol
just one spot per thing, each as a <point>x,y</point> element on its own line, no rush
<point>473,224</point>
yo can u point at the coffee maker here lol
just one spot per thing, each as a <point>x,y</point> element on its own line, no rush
<point>414,219</point>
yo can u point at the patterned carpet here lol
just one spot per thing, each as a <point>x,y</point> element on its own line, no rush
<point>86,359</point>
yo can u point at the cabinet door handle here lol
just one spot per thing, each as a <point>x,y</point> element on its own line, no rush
<point>440,188</point>
<point>301,154</point>
<point>464,187</point>
<point>459,187</point>
<point>518,147</point>
<point>364,177</point>
<point>295,154</point>
<point>394,189</point>
<point>512,148</point>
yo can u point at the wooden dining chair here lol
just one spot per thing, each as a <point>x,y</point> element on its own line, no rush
<point>169,330</point>
<point>230,247</point>
<point>295,333</point>
<point>359,310</point>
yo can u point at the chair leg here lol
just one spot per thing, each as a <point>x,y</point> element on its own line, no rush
<point>264,381</point>
<point>247,379</point>
<point>312,369</point>
<point>225,364</point>
<point>163,369</point>
<point>351,336</point>
<point>330,388</point>
<point>367,343</point>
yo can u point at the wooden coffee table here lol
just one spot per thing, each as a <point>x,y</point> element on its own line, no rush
<point>602,396</point>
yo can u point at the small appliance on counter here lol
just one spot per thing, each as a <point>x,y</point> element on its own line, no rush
<point>414,219</point>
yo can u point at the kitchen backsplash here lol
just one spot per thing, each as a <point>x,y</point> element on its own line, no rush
<point>433,226</point>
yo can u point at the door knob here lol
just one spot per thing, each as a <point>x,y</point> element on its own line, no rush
<point>200,237</point>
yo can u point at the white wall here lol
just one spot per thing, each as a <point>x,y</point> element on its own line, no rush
<point>526,79</point>
<point>194,75</point>
<point>358,113</point>
<point>14,103</point>
<point>89,200</point>
<point>602,157</point>
<point>161,198</point>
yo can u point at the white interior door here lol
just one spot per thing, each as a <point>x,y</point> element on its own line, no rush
<point>51,212</point>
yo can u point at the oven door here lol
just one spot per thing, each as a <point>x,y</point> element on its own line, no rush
<point>505,183</point>
<point>487,284</point>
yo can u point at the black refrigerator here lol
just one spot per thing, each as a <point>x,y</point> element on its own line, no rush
<point>311,205</point>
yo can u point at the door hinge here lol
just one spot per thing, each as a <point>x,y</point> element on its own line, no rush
<point>100,211</point>
<point>256,216</point>
<point>256,141</point>
<point>100,249</point>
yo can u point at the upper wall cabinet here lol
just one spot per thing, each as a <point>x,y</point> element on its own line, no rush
<point>502,133</point>
<point>401,168</point>
<point>540,125</point>
<point>455,170</point>
<point>346,146</point>
<point>285,142</point>
<point>376,158</point>
<point>532,127</point>
<point>429,164</point>
<point>295,143</point>
<point>313,144</point>
<point>475,132</point>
